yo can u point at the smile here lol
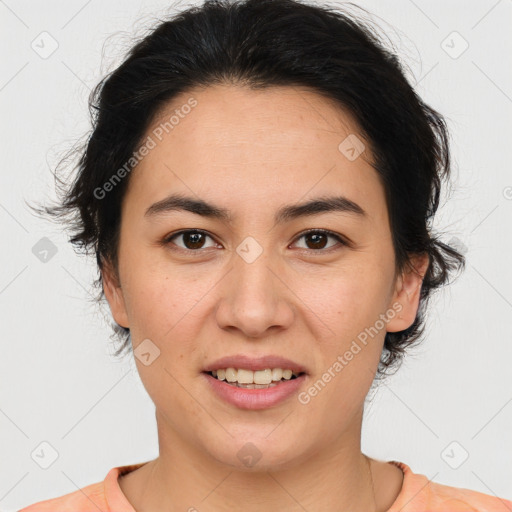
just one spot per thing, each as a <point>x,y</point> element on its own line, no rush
<point>258,379</point>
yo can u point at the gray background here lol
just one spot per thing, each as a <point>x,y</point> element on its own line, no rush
<point>59,382</point>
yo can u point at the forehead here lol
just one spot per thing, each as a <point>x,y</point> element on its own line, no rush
<point>252,147</point>
<point>276,118</point>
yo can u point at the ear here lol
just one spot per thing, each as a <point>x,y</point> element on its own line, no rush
<point>114,295</point>
<point>407,293</point>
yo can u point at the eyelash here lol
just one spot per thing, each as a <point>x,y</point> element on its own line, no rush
<point>168,240</point>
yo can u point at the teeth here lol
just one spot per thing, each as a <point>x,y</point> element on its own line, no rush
<point>246,377</point>
<point>261,376</point>
<point>277,374</point>
<point>231,374</point>
<point>258,378</point>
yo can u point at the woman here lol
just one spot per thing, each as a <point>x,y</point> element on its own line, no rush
<point>259,189</point>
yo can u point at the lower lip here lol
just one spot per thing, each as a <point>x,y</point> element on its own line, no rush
<point>255,399</point>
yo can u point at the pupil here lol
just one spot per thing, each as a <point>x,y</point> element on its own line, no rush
<point>195,237</point>
<point>316,237</point>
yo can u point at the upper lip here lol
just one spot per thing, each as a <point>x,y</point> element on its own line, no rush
<point>255,363</point>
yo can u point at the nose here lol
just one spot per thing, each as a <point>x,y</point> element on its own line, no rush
<point>255,297</point>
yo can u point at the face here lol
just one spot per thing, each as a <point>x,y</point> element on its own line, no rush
<point>318,289</point>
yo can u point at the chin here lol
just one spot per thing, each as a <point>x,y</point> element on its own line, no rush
<point>258,453</point>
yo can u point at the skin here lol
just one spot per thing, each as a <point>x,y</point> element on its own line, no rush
<point>253,152</point>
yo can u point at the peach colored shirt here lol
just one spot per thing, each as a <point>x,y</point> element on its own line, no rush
<point>418,494</point>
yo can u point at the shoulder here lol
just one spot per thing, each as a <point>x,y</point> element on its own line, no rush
<point>419,493</point>
<point>90,498</point>
<point>105,496</point>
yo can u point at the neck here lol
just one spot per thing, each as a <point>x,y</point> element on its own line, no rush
<point>183,477</point>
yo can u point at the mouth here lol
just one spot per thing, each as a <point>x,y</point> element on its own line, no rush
<point>259,379</point>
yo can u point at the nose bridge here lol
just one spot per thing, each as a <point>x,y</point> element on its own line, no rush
<point>253,281</point>
<point>254,298</point>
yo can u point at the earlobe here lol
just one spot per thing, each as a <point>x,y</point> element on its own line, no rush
<point>407,293</point>
<point>114,295</point>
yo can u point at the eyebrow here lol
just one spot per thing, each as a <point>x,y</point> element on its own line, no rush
<point>177,202</point>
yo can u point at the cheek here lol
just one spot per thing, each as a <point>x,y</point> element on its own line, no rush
<point>164,310</point>
<point>150,305</point>
<point>167,305</point>
<point>351,306</point>
<point>349,298</point>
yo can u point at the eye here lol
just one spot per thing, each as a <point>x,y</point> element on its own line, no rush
<point>193,239</point>
<point>318,238</point>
